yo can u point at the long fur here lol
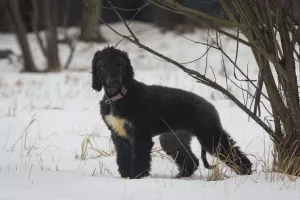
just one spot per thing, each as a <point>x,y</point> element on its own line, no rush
<point>178,146</point>
<point>150,110</point>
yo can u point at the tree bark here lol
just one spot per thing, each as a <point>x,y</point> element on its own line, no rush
<point>50,17</point>
<point>20,31</point>
<point>90,22</point>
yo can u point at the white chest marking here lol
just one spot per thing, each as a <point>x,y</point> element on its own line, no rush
<point>117,124</point>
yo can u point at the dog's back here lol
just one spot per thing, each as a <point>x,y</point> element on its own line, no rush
<point>182,110</point>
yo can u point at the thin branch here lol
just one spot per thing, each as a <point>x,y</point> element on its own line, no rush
<point>206,23</point>
<point>247,78</point>
<point>206,59</point>
<point>212,70</point>
<point>236,55</point>
<point>196,42</point>
<point>258,93</point>
<point>139,10</point>
<point>121,18</point>
<point>197,58</point>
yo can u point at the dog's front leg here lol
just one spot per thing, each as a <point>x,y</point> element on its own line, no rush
<point>123,150</point>
<point>141,155</point>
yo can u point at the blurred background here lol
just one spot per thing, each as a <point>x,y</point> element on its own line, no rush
<point>71,12</point>
<point>49,20</point>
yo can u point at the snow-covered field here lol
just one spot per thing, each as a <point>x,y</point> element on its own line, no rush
<point>54,145</point>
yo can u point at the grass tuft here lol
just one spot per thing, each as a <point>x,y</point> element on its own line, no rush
<point>90,151</point>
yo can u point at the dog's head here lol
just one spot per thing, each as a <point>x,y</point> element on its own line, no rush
<point>111,69</point>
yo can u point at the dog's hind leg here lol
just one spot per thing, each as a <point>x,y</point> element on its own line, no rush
<point>123,150</point>
<point>178,147</point>
<point>217,142</point>
<point>204,160</point>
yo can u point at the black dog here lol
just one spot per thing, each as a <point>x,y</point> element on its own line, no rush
<point>135,112</point>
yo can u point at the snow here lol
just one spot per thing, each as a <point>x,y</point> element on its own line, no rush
<point>45,120</point>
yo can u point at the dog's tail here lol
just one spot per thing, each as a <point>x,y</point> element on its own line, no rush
<point>232,156</point>
<point>227,151</point>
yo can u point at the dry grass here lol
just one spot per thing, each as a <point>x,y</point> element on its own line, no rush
<point>23,136</point>
<point>218,173</point>
<point>287,162</point>
<point>89,149</point>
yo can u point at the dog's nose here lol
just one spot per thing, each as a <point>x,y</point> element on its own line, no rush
<point>113,81</point>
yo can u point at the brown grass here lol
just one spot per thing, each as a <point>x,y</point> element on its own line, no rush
<point>90,151</point>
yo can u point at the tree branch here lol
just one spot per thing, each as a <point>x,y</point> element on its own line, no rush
<point>121,18</point>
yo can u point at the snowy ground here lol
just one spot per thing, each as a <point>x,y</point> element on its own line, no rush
<point>45,120</point>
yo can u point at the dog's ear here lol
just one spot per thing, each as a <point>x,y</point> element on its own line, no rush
<point>96,84</point>
<point>130,68</point>
<point>130,72</point>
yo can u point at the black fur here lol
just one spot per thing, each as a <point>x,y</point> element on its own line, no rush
<point>152,110</point>
<point>177,145</point>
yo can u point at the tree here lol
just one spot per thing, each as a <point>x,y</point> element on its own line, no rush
<point>272,32</point>
<point>50,47</point>
<point>14,15</point>
<point>90,21</point>
<point>50,19</point>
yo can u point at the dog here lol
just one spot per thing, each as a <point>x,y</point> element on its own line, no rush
<point>135,112</point>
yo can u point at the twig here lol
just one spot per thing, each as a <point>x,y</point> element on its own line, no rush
<point>206,59</point>
<point>196,42</point>
<point>206,52</point>
<point>121,18</point>
<point>236,55</point>
<point>258,93</point>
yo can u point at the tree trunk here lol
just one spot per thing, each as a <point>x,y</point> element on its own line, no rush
<point>20,30</point>
<point>50,17</point>
<point>90,23</point>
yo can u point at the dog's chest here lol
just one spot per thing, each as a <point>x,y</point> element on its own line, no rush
<point>117,124</point>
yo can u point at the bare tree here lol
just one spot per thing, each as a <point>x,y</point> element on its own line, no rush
<point>90,21</point>
<point>50,18</point>
<point>50,46</point>
<point>272,33</point>
<point>14,14</point>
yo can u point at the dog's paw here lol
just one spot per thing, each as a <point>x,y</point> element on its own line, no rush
<point>125,177</point>
<point>124,173</point>
<point>182,175</point>
<point>211,166</point>
<point>140,175</point>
